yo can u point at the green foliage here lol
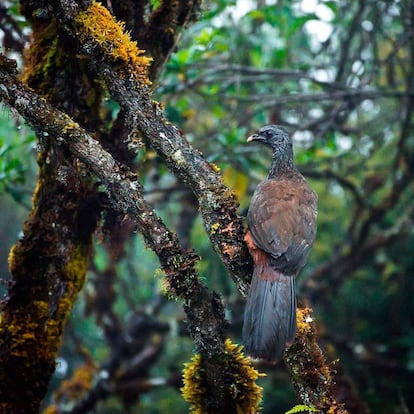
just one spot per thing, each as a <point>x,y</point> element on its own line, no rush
<point>302,409</point>
<point>155,4</point>
<point>15,144</point>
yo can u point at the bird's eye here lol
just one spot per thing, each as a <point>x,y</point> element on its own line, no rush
<point>268,133</point>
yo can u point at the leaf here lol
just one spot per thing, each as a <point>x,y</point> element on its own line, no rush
<point>155,4</point>
<point>237,181</point>
<point>302,409</point>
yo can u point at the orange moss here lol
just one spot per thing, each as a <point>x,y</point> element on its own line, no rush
<point>97,25</point>
<point>75,387</point>
<point>25,337</point>
<point>194,390</point>
<point>304,321</point>
<point>242,378</point>
<point>246,392</point>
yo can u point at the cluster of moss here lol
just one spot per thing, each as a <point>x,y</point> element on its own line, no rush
<point>97,26</point>
<point>242,387</point>
<point>39,327</point>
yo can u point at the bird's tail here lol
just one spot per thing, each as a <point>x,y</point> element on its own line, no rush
<point>270,314</point>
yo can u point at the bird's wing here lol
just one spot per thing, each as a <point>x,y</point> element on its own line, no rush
<point>282,219</point>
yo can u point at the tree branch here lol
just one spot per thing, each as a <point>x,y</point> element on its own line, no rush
<point>122,184</point>
<point>217,204</point>
<point>311,375</point>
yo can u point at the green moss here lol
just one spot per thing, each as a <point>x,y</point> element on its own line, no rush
<point>52,67</point>
<point>35,328</point>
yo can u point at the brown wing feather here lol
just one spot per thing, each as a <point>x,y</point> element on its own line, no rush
<point>282,221</point>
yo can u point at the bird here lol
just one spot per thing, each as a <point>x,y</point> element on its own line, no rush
<point>281,222</point>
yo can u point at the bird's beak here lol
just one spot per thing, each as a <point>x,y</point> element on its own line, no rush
<point>256,137</point>
<point>253,137</point>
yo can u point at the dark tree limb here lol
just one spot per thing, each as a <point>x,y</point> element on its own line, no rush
<point>48,263</point>
<point>157,28</point>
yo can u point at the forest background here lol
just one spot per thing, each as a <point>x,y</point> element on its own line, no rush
<point>339,75</point>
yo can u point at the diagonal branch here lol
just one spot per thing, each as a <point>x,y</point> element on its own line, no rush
<point>218,205</point>
<point>126,191</point>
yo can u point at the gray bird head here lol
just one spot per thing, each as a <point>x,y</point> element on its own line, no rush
<point>275,137</point>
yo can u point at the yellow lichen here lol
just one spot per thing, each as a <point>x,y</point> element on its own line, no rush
<point>304,321</point>
<point>178,157</point>
<point>42,308</point>
<point>215,167</point>
<point>22,337</point>
<point>70,125</point>
<point>214,227</point>
<point>97,25</point>
<point>242,378</point>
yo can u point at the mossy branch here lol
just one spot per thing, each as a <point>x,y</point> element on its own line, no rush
<point>311,375</point>
<point>217,203</point>
<point>246,395</point>
<point>122,184</point>
<point>48,266</point>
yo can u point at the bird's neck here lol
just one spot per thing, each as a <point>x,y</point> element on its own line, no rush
<point>282,164</point>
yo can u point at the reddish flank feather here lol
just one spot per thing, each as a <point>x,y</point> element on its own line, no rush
<point>261,260</point>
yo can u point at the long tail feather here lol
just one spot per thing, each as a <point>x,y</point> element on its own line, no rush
<point>270,314</point>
